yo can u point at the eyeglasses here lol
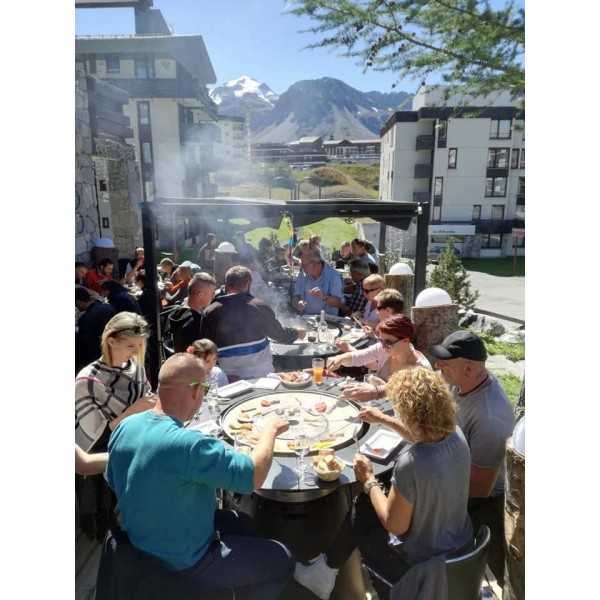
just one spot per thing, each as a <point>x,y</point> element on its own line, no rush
<point>388,343</point>
<point>205,385</point>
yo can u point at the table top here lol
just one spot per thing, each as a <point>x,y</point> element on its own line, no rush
<point>282,482</point>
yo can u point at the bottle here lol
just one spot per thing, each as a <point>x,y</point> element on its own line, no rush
<point>322,328</point>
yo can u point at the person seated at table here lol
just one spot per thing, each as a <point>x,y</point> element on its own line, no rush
<point>487,419</point>
<point>241,325</point>
<point>314,244</point>
<point>166,268</point>
<point>119,297</point>
<point>185,321</point>
<point>424,515</point>
<point>372,285</point>
<point>166,477</point>
<point>357,300</point>
<point>206,254</point>
<point>278,260</point>
<point>135,265</point>
<point>342,256</point>
<point>103,272</point>
<point>209,353</point>
<point>301,249</point>
<point>265,251</point>
<point>95,315</point>
<point>178,290</point>
<point>393,352</point>
<point>243,248</point>
<point>80,273</point>
<point>318,287</point>
<point>359,251</point>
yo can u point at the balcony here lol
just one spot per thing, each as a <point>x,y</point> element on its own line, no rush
<point>521,199</point>
<point>437,200</point>
<point>421,196</point>
<point>423,171</point>
<point>496,172</point>
<point>442,141</point>
<point>424,142</point>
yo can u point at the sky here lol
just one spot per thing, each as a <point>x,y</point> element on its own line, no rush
<point>249,37</point>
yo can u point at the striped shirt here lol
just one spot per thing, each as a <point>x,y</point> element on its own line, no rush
<point>102,393</point>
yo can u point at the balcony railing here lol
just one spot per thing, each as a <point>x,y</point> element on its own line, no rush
<point>424,142</point>
<point>423,171</point>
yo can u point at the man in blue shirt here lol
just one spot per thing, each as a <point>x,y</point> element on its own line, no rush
<point>165,478</point>
<point>318,287</point>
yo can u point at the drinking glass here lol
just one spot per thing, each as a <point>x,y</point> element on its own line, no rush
<point>301,446</point>
<point>214,411</point>
<point>318,366</point>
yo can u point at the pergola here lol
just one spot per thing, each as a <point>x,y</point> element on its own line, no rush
<point>268,213</point>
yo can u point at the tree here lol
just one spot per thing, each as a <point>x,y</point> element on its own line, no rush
<point>477,49</point>
<point>450,275</point>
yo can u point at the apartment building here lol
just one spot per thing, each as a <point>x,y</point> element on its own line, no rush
<point>365,151</point>
<point>466,156</point>
<point>171,115</point>
<point>232,147</point>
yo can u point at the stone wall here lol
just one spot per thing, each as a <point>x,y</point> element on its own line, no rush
<point>87,227</point>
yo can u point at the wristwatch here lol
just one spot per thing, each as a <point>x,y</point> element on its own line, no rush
<point>370,485</point>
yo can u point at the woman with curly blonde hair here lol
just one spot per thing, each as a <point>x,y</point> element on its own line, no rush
<point>425,510</point>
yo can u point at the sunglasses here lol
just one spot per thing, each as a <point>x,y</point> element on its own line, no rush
<point>387,343</point>
<point>205,385</point>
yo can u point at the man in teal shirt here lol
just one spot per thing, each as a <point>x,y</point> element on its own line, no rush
<point>165,478</point>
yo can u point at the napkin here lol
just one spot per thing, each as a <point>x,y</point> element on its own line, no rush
<point>266,383</point>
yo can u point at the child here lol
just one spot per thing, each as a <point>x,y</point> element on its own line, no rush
<point>207,351</point>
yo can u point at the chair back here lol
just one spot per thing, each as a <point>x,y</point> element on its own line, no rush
<point>126,573</point>
<point>465,572</point>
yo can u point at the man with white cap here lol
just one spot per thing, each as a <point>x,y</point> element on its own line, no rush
<point>486,418</point>
<point>225,254</point>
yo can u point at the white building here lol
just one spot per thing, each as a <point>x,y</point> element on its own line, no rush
<point>467,158</point>
<point>172,117</point>
<point>233,146</point>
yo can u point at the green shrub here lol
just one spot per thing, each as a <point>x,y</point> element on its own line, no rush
<point>326,176</point>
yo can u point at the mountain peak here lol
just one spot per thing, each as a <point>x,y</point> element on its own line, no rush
<point>242,95</point>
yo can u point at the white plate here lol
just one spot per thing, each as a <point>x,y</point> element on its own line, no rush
<point>234,389</point>
<point>385,440</point>
<point>266,383</point>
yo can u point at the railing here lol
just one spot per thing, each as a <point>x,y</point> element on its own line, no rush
<point>424,142</point>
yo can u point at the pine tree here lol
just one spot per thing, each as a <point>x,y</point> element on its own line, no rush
<point>450,275</point>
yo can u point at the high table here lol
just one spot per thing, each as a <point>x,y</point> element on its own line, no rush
<point>303,514</point>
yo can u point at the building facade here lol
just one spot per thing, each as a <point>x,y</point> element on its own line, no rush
<point>172,117</point>
<point>468,161</point>
<point>364,151</point>
<point>232,147</point>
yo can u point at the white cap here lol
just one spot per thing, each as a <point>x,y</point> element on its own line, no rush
<point>400,269</point>
<point>226,248</point>
<point>432,297</point>
<point>104,243</point>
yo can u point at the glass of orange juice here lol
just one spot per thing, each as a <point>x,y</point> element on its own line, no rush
<point>318,366</point>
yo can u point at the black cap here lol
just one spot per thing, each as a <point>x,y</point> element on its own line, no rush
<point>461,344</point>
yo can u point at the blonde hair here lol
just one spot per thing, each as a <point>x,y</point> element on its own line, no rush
<point>374,280</point>
<point>124,324</point>
<point>423,402</point>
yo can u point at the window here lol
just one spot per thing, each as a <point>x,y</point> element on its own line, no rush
<point>452,155</point>
<point>442,133</point>
<point>113,64</point>
<point>500,129</point>
<point>437,213</point>
<point>521,191</point>
<point>522,164</point>
<point>144,113</point>
<point>495,187</point>
<point>498,212</point>
<point>105,223</point>
<point>498,158</point>
<point>491,240</point>
<point>144,68</point>
<point>514,159</point>
<point>438,187</point>
<point>102,185</point>
<point>476,212</point>
<point>146,153</point>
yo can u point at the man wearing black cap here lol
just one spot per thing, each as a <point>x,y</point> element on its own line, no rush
<point>486,418</point>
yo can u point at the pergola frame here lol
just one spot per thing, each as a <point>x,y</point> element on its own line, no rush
<point>269,212</point>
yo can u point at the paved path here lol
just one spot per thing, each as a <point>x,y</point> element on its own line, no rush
<point>502,295</point>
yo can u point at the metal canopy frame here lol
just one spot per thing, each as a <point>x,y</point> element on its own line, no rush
<point>269,212</point>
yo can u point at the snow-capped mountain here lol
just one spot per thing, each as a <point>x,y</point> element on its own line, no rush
<point>242,96</point>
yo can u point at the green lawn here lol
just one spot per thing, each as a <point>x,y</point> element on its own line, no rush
<point>511,385</point>
<point>502,267</point>
<point>513,352</point>
<point>332,231</point>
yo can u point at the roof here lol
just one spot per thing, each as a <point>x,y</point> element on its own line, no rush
<point>307,140</point>
<point>268,212</point>
<point>456,112</point>
<point>188,50</point>
<point>347,141</point>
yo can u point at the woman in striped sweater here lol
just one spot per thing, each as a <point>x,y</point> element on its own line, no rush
<point>115,385</point>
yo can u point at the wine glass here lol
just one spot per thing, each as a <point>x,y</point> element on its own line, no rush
<point>214,411</point>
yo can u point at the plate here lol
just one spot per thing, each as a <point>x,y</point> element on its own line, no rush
<point>234,389</point>
<point>381,444</point>
<point>298,385</point>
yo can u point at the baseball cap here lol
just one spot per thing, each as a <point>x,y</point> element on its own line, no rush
<point>461,344</point>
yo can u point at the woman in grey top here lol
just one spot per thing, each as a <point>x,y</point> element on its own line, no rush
<point>425,510</point>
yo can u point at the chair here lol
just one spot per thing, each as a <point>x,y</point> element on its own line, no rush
<point>465,572</point>
<point>126,573</point>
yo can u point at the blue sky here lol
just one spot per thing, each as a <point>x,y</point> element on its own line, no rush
<point>248,37</point>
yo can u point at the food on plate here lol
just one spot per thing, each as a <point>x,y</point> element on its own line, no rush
<point>266,402</point>
<point>241,426</point>
<point>244,418</point>
<point>321,407</point>
<point>378,451</point>
<point>327,465</point>
<point>293,377</point>
<point>248,411</point>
